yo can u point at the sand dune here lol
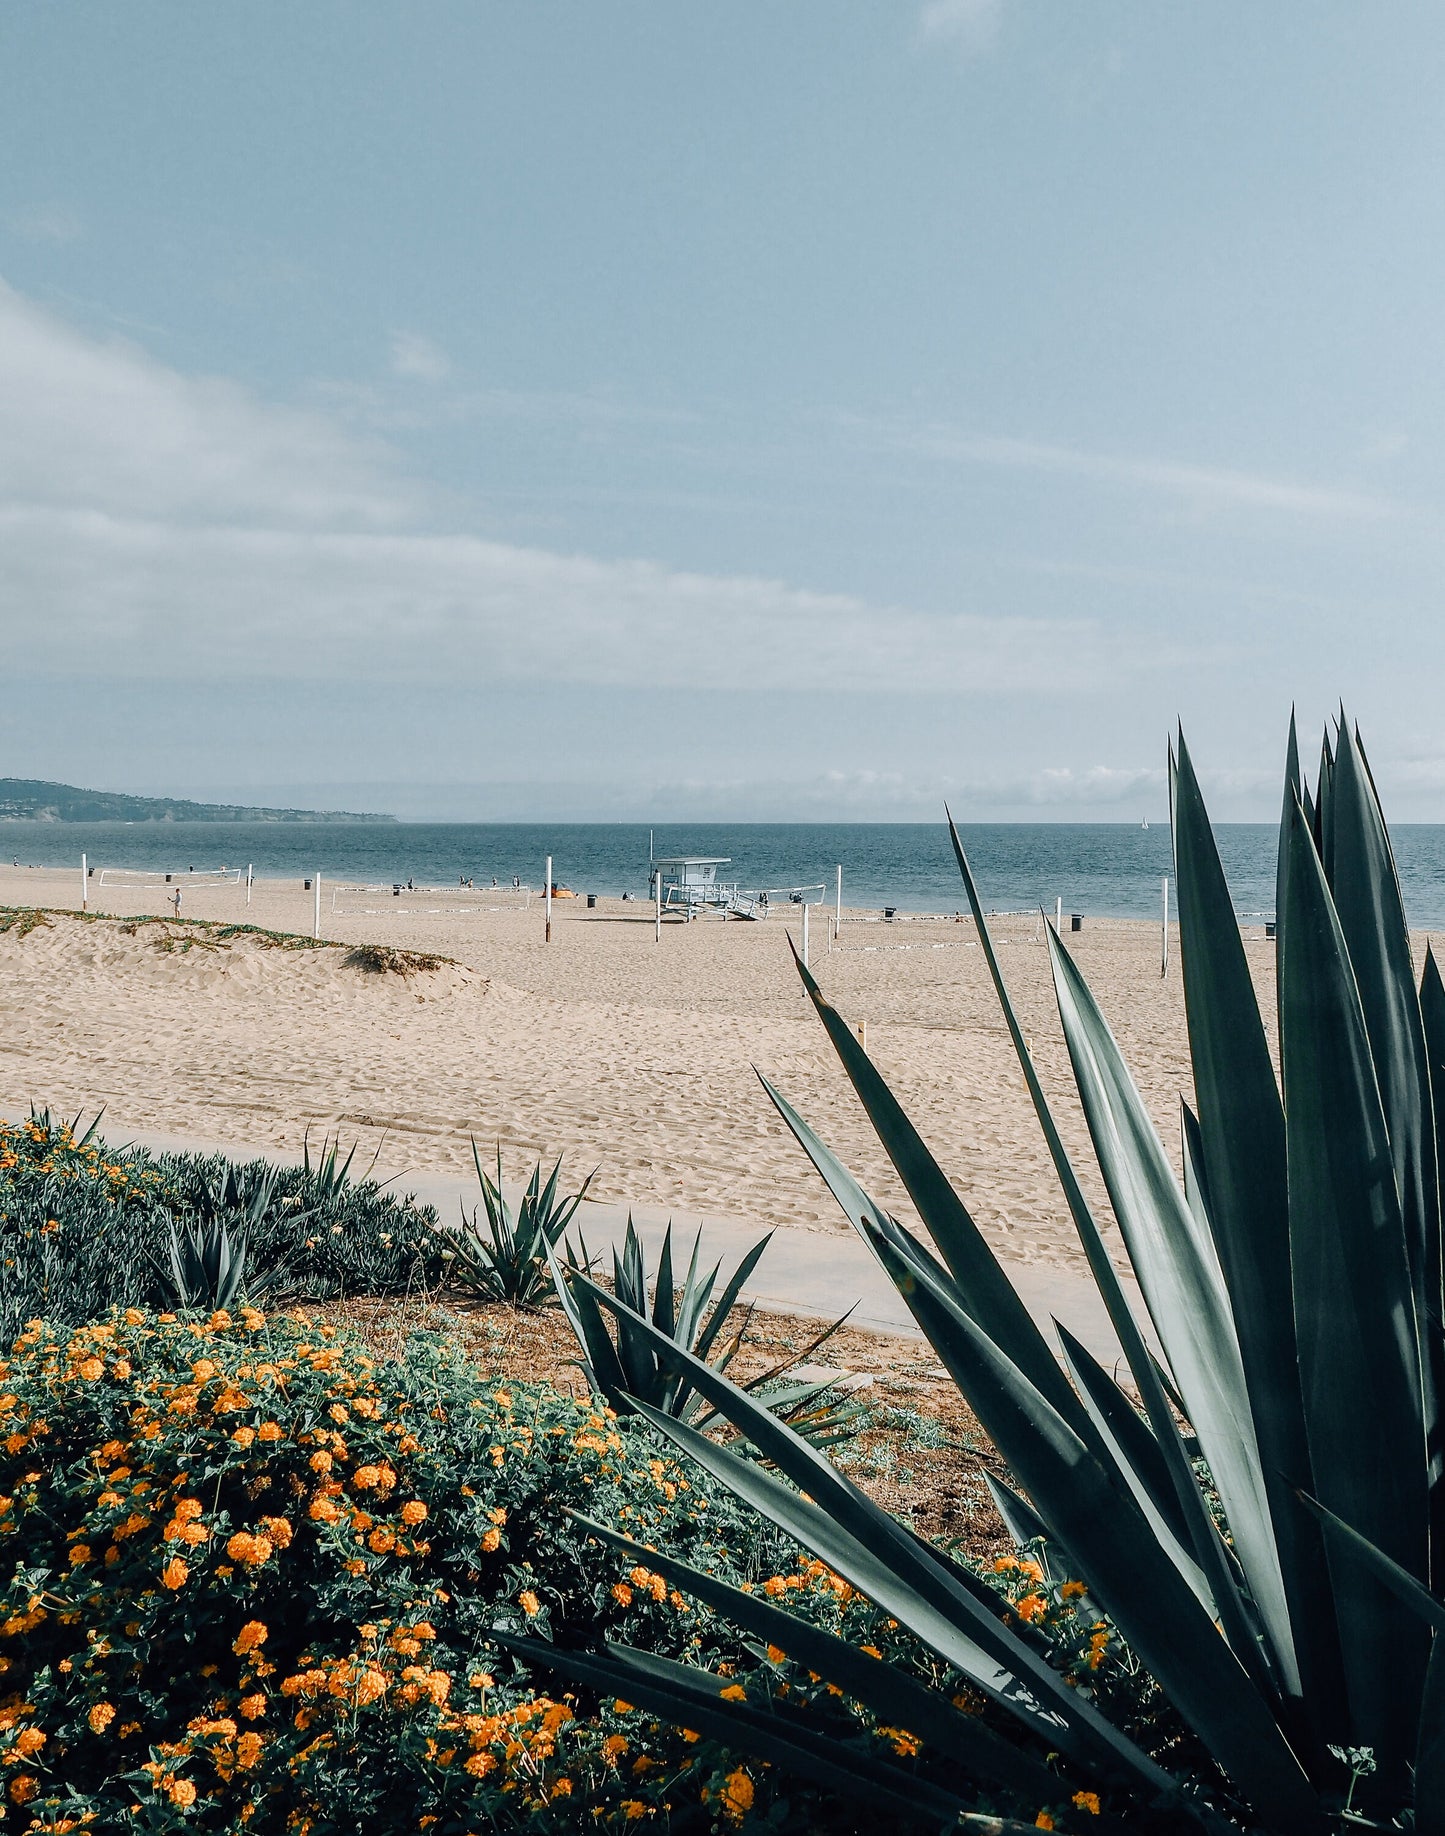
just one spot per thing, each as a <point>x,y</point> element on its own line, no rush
<point>612,1049</point>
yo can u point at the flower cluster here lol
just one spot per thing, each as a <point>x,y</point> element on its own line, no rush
<point>250,1579</point>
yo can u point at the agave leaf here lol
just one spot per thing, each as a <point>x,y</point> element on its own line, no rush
<point>727,1300</point>
<point>987,1292</point>
<point>1126,1569</point>
<point>1366,891</point>
<point>1398,1581</point>
<point>1354,1307</point>
<point>898,1699</point>
<point>1183,1286</point>
<point>1024,1524</point>
<point>681,1693</point>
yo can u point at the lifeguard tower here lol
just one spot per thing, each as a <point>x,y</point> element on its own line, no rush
<point>690,880</point>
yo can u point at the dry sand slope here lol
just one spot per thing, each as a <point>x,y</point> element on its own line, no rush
<point>612,1049</point>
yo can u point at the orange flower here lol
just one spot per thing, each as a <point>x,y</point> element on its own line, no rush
<point>279,1531</point>
<point>251,1708</point>
<point>100,1717</point>
<point>28,1741</point>
<point>23,1789</point>
<point>321,1462</point>
<point>91,1369</point>
<point>491,1540</point>
<point>737,1794</point>
<point>252,1550</point>
<point>180,1791</point>
<point>1087,1800</point>
<point>79,1552</point>
<point>252,1635</point>
<point>529,1603</point>
<point>248,1750</point>
<point>413,1512</point>
<point>175,1574</point>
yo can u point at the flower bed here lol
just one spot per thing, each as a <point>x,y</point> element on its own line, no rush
<point>252,1579</point>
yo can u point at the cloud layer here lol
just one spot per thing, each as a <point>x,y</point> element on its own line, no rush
<point>158,525</point>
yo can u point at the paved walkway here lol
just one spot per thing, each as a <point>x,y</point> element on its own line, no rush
<point>816,1273</point>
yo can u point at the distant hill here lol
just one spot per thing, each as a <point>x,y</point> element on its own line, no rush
<point>33,800</point>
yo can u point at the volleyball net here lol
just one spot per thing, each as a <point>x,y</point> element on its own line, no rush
<point>395,898</point>
<point>210,876</point>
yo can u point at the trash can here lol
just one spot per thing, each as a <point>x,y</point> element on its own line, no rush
<point>1076,921</point>
<point>888,911</point>
<point>591,902</point>
<point>1269,927</point>
<point>306,886</point>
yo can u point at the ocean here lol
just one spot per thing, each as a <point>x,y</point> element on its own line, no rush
<point>1103,870</point>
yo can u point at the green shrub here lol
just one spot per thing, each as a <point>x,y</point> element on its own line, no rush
<point>251,1578</point>
<point>85,1228</point>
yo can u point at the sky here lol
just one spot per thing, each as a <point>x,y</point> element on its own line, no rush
<point>494,411</point>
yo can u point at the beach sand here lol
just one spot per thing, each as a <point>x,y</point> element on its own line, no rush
<point>612,1049</point>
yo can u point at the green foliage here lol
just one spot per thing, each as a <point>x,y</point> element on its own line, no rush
<point>1257,1535</point>
<point>625,1367</point>
<point>85,1227</point>
<point>511,1263</point>
<point>251,1578</point>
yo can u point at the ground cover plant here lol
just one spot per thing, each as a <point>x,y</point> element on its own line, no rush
<point>253,1578</point>
<point>1262,1536</point>
<point>85,1227</point>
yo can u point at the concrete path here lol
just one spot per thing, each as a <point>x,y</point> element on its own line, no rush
<point>816,1273</point>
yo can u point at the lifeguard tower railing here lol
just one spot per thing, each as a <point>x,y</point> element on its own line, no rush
<point>755,903</point>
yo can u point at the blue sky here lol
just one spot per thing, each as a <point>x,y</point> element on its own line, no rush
<point>681,410</point>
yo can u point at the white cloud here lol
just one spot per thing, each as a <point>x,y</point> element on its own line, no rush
<point>159,525</point>
<point>418,358</point>
<point>1203,486</point>
<point>970,25</point>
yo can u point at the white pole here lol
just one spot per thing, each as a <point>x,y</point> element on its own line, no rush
<point>805,933</point>
<point>84,888</point>
<point>1164,933</point>
<point>657,889</point>
<point>1058,914</point>
<point>549,899</point>
<point>316,914</point>
<point>248,885</point>
<point>838,908</point>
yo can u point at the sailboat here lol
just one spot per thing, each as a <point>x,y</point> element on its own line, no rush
<point>1145,823</point>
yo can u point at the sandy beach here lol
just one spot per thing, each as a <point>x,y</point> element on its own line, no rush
<point>608,1047</point>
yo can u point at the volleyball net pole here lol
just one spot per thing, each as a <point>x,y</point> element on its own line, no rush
<point>84,885</point>
<point>548,938</point>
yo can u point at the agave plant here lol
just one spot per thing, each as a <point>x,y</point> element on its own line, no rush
<point>512,1262</point>
<point>1265,1525</point>
<point>208,1255</point>
<point>207,1268</point>
<point>622,1365</point>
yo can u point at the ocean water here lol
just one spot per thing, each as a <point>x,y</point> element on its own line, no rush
<point>1100,869</point>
